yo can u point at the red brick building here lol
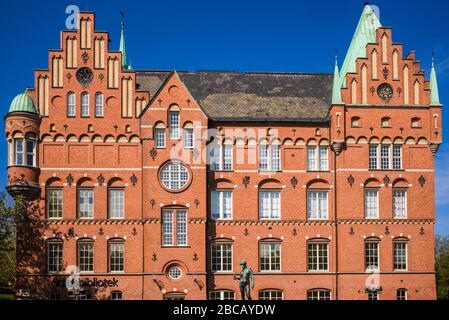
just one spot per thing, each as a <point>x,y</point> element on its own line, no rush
<point>155,184</point>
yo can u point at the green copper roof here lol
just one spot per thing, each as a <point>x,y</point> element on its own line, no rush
<point>22,103</point>
<point>336,88</point>
<point>122,49</point>
<point>434,95</point>
<point>364,33</point>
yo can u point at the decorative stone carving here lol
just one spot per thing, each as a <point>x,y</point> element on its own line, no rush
<point>337,147</point>
<point>434,148</point>
<point>246,181</point>
<point>294,182</point>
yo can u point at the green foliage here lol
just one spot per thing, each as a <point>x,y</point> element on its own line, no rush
<point>12,215</point>
<point>442,266</point>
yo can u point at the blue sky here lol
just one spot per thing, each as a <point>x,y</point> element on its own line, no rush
<point>291,36</point>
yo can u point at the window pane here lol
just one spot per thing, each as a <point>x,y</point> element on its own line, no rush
<point>227,157</point>
<point>270,256</point>
<point>324,159</point>
<point>174,176</point>
<point>167,228</point>
<point>270,295</point>
<point>19,151</point>
<point>397,157</point>
<point>312,158</point>
<point>71,104</point>
<point>99,105</point>
<point>116,204</point>
<point>371,204</point>
<point>221,256</point>
<point>86,203</point>
<point>116,256</point>
<point>318,295</point>
<point>86,256</point>
<point>275,158</point>
<point>385,157</point>
<point>30,152</point>
<point>84,104</point>
<point>188,138</point>
<point>181,228</point>
<point>399,204</point>
<point>400,255</point>
<point>174,125</point>
<point>371,255</point>
<point>269,205</point>
<point>54,203</point>
<point>263,158</point>
<point>317,256</point>
<point>160,138</point>
<point>373,157</point>
<point>54,257</point>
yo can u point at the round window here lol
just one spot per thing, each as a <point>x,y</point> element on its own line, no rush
<point>84,76</point>
<point>174,176</point>
<point>175,272</point>
<point>385,91</point>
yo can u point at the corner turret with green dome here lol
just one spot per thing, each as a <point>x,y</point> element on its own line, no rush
<point>22,103</point>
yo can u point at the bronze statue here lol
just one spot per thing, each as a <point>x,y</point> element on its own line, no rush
<point>246,279</point>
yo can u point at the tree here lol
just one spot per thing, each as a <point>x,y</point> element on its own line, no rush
<point>442,266</point>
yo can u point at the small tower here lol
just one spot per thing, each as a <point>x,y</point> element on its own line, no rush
<point>122,49</point>
<point>22,133</point>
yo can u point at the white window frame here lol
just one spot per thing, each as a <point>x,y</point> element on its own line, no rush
<point>270,294</point>
<point>223,160</point>
<point>159,138</point>
<point>395,256</point>
<point>99,105</point>
<point>88,208</point>
<point>315,211</point>
<point>400,213</point>
<point>319,294</point>
<point>221,295</point>
<point>189,138</point>
<point>271,264</point>
<point>22,152</point>
<point>90,259</point>
<point>49,191</point>
<point>220,251</point>
<point>369,242</point>
<point>219,195</point>
<point>268,160</point>
<point>174,126</point>
<point>181,228</point>
<point>116,262</point>
<point>270,209</point>
<point>368,213</point>
<point>172,176</point>
<point>404,293</point>
<point>175,228</point>
<point>59,264</point>
<point>168,235</point>
<point>114,212</point>
<point>316,160</point>
<point>315,265</point>
<point>85,104</point>
<point>71,104</point>
<point>377,155</point>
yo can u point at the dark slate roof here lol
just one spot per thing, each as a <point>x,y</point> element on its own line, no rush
<point>233,96</point>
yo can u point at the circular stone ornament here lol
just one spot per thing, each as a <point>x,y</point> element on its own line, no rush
<point>84,76</point>
<point>385,91</point>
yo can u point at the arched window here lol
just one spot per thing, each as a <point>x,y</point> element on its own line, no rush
<point>159,135</point>
<point>99,104</point>
<point>222,295</point>
<point>116,254</point>
<point>401,294</point>
<point>270,294</point>
<point>174,122</point>
<point>188,136</point>
<point>400,254</point>
<point>86,255</point>
<point>270,255</point>
<point>116,295</point>
<point>84,104</point>
<point>318,255</point>
<point>71,104</point>
<point>372,254</point>
<point>54,255</point>
<point>318,294</point>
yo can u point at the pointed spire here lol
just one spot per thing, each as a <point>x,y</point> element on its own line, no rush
<point>434,95</point>
<point>336,89</point>
<point>364,33</point>
<point>122,49</point>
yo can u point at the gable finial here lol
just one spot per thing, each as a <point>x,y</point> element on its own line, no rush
<point>434,94</point>
<point>336,88</point>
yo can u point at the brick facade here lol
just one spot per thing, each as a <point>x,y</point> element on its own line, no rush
<point>117,150</point>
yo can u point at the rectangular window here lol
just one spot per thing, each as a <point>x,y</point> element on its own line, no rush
<point>31,144</point>
<point>399,204</point>
<point>86,203</point>
<point>269,205</point>
<point>317,254</point>
<point>54,257</point>
<point>54,203</point>
<point>19,151</point>
<point>371,204</point>
<point>270,256</point>
<point>385,157</point>
<point>400,255</point>
<point>174,125</point>
<point>372,255</point>
<point>188,138</point>
<point>221,157</point>
<point>84,105</point>
<point>116,203</point>
<point>221,295</point>
<point>86,256</point>
<point>181,227</point>
<point>71,104</point>
<point>227,157</point>
<point>269,158</point>
<point>167,227</point>
<point>221,205</point>
<point>270,295</point>
<point>160,138</point>
<point>221,256</point>
<point>116,257</point>
<point>317,158</point>
<point>318,295</point>
<point>99,105</point>
<point>317,205</point>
